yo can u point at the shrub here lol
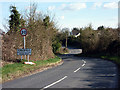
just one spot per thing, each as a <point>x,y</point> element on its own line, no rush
<point>114,48</point>
<point>56,46</point>
<point>39,38</point>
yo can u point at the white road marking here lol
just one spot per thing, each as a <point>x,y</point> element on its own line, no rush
<point>55,82</point>
<point>84,61</point>
<point>77,70</point>
<point>63,77</point>
<point>82,66</point>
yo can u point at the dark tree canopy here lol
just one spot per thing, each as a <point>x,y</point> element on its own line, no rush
<point>46,21</point>
<point>76,29</point>
<point>14,21</point>
<point>101,28</point>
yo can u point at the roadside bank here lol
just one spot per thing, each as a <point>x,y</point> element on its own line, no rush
<point>18,70</point>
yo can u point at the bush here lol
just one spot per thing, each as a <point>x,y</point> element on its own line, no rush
<point>56,46</point>
<point>114,48</point>
<point>103,40</point>
<point>39,38</point>
<point>63,50</point>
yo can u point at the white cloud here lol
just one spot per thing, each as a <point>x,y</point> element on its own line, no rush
<point>73,6</point>
<point>97,4</point>
<point>62,17</point>
<point>111,5</point>
<point>51,8</point>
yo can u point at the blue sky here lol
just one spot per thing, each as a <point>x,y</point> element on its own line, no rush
<point>69,14</point>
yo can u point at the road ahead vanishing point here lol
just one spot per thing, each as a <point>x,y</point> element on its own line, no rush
<point>75,72</point>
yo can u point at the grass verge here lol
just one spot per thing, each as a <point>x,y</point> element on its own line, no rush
<point>116,59</point>
<point>12,71</point>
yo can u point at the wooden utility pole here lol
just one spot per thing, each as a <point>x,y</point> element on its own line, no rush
<point>66,41</point>
<point>66,33</point>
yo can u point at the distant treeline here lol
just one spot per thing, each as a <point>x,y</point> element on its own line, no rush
<point>103,40</point>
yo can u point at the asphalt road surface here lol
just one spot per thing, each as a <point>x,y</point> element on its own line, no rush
<point>75,72</point>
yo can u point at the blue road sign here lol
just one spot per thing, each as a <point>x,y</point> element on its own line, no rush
<point>23,51</point>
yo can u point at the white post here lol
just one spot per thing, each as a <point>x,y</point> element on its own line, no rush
<point>28,58</point>
<point>24,45</point>
<point>21,57</point>
<point>24,41</point>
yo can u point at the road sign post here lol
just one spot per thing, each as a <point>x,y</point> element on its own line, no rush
<point>24,51</point>
<point>28,58</point>
<point>23,32</point>
<point>21,57</point>
<point>24,44</point>
<point>24,41</point>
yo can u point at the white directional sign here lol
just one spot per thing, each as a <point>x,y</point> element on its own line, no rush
<point>23,51</point>
<point>23,32</point>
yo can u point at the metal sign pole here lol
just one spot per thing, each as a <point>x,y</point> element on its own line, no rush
<point>21,57</point>
<point>24,45</point>
<point>28,58</point>
<point>24,42</point>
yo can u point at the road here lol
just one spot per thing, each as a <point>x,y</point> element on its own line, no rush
<point>75,72</point>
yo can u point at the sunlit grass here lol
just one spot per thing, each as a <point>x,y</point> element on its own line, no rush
<point>10,71</point>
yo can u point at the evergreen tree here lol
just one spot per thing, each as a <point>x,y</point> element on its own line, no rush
<point>14,21</point>
<point>101,28</point>
<point>46,21</point>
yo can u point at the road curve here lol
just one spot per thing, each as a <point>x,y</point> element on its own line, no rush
<point>75,72</point>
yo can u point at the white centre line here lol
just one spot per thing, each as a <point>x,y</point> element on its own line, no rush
<point>54,83</point>
<point>77,70</point>
<point>84,61</point>
<point>82,66</point>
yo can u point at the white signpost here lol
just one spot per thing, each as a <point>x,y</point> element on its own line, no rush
<point>23,32</point>
<point>24,51</point>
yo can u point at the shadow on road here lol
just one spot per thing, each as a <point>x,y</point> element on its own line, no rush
<point>97,73</point>
<point>101,74</point>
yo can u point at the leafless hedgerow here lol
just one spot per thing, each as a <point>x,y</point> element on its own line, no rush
<point>39,37</point>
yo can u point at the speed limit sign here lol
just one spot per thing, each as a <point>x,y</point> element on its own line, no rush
<point>23,32</point>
